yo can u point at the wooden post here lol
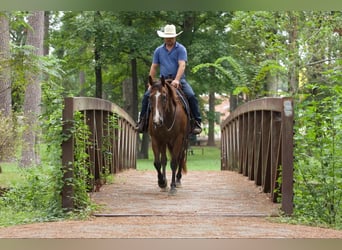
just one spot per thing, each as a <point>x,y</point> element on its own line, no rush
<point>287,156</point>
<point>68,156</point>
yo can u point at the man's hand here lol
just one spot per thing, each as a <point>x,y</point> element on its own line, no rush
<point>175,83</point>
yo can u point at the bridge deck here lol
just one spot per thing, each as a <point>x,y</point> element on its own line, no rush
<point>203,193</point>
<point>210,205</point>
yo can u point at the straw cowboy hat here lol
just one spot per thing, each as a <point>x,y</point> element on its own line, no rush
<point>169,31</point>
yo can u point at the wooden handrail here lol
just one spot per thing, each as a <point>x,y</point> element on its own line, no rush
<point>257,141</point>
<point>119,142</point>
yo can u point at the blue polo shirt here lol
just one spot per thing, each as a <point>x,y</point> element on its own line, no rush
<point>168,61</point>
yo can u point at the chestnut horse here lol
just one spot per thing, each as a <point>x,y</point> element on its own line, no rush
<point>169,128</point>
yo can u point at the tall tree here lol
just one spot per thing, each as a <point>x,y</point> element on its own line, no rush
<point>203,27</point>
<point>293,52</point>
<point>5,71</point>
<point>98,43</point>
<point>32,101</point>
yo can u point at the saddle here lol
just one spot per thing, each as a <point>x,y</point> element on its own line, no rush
<point>184,101</point>
<point>182,97</point>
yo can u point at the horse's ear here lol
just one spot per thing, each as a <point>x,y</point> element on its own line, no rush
<point>150,80</point>
<point>162,80</point>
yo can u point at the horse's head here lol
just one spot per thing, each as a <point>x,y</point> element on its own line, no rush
<point>160,100</point>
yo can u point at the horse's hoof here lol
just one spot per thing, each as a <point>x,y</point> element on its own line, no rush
<point>173,191</point>
<point>178,184</point>
<point>162,184</point>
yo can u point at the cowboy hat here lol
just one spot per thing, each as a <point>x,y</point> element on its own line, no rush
<point>169,31</point>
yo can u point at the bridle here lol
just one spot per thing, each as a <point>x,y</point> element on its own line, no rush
<point>159,86</point>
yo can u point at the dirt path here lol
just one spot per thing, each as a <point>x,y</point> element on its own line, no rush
<point>209,205</point>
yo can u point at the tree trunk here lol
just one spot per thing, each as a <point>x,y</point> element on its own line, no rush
<point>31,109</point>
<point>97,55</point>
<point>145,142</point>
<point>46,32</point>
<point>134,112</point>
<point>272,84</point>
<point>127,91</point>
<point>211,120</point>
<point>98,74</point>
<point>188,28</point>
<point>130,92</point>
<point>233,102</point>
<point>5,71</point>
<point>82,79</point>
<point>293,52</point>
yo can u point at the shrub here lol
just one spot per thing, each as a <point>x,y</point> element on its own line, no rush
<point>318,155</point>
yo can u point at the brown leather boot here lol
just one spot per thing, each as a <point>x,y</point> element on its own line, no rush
<point>141,125</point>
<point>197,128</point>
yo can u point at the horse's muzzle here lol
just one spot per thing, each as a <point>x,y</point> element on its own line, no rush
<point>158,124</point>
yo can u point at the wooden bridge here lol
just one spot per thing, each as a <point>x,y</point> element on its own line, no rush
<point>256,142</point>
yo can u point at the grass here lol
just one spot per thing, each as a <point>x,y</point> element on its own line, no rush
<point>10,175</point>
<point>203,158</point>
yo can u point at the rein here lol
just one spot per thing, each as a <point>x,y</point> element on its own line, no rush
<point>174,119</point>
<point>174,113</point>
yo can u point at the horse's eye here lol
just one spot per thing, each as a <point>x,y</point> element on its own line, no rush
<point>164,98</point>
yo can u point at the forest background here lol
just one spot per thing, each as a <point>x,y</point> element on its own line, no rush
<point>241,55</point>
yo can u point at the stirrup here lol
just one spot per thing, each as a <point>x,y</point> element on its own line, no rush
<point>140,126</point>
<point>197,128</point>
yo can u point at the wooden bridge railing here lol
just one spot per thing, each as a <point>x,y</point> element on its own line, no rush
<point>257,141</point>
<point>116,141</point>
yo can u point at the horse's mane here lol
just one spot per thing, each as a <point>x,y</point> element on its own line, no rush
<point>167,83</point>
<point>173,92</point>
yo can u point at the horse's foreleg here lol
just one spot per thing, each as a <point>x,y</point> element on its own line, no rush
<point>179,176</point>
<point>173,180</point>
<point>163,164</point>
<point>157,164</point>
<point>161,180</point>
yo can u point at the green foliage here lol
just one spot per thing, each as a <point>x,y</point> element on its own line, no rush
<point>36,197</point>
<point>226,69</point>
<point>81,164</point>
<point>52,107</point>
<point>265,69</point>
<point>33,199</point>
<point>257,39</point>
<point>252,48</point>
<point>119,36</point>
<point>9,175</point>
<point>107,146</point>
<point>318,155</point>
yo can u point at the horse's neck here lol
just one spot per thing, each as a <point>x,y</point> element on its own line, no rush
<point>172,102</point>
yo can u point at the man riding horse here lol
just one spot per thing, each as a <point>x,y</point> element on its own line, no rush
<point>171,58</point>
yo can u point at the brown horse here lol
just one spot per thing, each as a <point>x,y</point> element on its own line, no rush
<point>169,129</point>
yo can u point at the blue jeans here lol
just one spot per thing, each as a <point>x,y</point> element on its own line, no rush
<point>190,94</point>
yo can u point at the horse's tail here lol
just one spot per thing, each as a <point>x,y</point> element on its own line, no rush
<point>184,169</point>
<point>183,160</point>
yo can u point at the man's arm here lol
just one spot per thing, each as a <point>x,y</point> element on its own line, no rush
<point>153,70</point>
<point>180,72</point>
